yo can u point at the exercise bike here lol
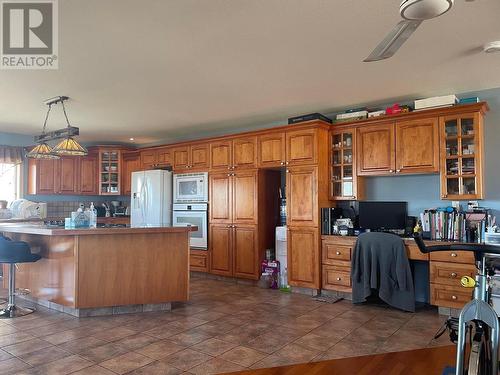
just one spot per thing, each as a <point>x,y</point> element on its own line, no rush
<point>477,318</point>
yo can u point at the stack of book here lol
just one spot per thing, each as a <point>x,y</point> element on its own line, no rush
<point>444,224</point>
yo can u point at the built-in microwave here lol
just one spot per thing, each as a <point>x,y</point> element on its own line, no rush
<point>191,187</point>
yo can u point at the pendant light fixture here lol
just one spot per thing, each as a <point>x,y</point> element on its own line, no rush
<point>67,146</point>
<point>42,150</point>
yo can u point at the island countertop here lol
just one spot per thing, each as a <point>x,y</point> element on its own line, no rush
<point>49,230</point>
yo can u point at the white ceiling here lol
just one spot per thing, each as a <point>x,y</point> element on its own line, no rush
<point>176,69</point>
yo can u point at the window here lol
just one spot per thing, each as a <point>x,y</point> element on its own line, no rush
<point>10,181</point>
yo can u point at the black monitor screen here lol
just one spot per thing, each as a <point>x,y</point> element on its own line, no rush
<point>382,215</point>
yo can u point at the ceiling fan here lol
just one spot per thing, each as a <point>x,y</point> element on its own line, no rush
<point>413,12</point>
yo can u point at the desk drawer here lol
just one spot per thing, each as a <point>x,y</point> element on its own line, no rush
<point>334,277</point>
<point>453,256</point>
<point>450,296</point>
<point>414,253</point>
<point>450,273</point>
<point>333,252</point>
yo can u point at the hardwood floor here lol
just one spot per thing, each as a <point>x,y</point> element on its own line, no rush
<point>411,362</point>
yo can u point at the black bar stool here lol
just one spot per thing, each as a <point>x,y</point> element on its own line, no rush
<point>12,252</point>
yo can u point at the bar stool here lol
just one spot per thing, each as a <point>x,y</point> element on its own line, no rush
<point>12,252</point>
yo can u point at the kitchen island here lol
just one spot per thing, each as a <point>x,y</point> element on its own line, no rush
<point>103,271</point>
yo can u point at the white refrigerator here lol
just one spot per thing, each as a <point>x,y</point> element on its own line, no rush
<point>151,199</point>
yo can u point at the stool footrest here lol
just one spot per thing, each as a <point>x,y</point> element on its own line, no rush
<point>14,312</point>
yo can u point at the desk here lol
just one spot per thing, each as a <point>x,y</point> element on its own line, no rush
<point>445,269</point>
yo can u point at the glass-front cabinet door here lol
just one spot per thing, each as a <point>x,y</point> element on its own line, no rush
<point>343,184</point>
<point>109,173</point>
<point>461,157</point>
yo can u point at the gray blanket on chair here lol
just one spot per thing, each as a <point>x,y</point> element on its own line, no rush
<point>380,262</point>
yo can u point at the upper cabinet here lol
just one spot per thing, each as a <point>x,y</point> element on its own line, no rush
<point>131,162</point>
<point>462,156</point>
<point>155,157</point>
<point>376,149</point>
<point>190,157</point>
<point>68,175</point>
<point>271,149</point>
<point>301,147</point>
<point>88,174</point>
<point>109,171</point>
<point>398,147</point>
<point>345,184</point>
<point>292,147</point>
<point>417,146</point>
<point>231,154</point>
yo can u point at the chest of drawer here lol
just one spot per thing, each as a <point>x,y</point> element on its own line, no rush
<point>450,296</point>
<point>452,256</point>
<point>450,273</point>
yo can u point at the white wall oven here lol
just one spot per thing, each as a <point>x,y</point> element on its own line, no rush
<point>191,187</point>
<point>193,214</point>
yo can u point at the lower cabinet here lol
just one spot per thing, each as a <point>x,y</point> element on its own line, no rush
<point>303,257</point>
<point>234,250</point>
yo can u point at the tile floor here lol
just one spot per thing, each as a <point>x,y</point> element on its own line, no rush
<point>225,327</point>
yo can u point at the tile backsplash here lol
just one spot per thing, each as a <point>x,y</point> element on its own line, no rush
<point>61,209</point>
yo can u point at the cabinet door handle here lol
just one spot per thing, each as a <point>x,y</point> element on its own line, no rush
<point>391,170</point>
<point>454,297</point>
<point>453,274</point>
<point>229,226</point>
<point>338,253</point>
<point>282,163</point>
<point>288,171</point>
<point>454,255</point>
<point>339,278</point>
<point>286,163</point>
<point>398,170</point>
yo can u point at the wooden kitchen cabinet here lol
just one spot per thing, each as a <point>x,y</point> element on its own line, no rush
<point>69,175</point>
<point>244,153</point>
<point>231,154</point>
<point>303,257</point>
<point>417,146</point>
<point>131,162</point>
<point>198,260</point>
<point>180,157</point>
<point>221,154</point>
<point>344,181</point>
<point>190,157</point>
<point>271,150</point>
<point>221,249</point>
<point>244,197</point>
<point>301,147</point>
<point>376,149</point>
<point>462,156</point>
<point>88,181</point>
<point>155,158</point>
<point>302,196</point>
<point>221,197</point>
<point>244,213</point>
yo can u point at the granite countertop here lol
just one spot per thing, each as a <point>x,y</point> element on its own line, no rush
<point>48,230</point>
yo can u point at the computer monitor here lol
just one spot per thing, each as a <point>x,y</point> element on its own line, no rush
<point>382,215</point>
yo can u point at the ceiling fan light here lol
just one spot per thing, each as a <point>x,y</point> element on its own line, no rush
<point>68,146</point>
<point>42,151</point>
<point>424,9</point>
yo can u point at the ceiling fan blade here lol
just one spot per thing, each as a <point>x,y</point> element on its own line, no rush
<point>393,40</point>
